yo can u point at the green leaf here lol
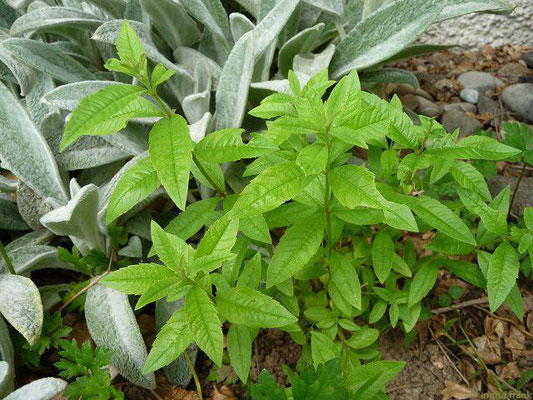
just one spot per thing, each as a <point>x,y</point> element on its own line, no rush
<point>423,282</point>
<point>171,153</point>
<point>502,274</point>
<point>346,279</point>
<point>173,287</point>
<point>296,247</point>
<point>343,95</point>
<point>275,105</point>
<point>193,218</point>
<point>239,343</point>
<point>107,111</point>
<point>437,215</point>
<point>129,47</point>
<point>136,279</point>
<point>366,381</point>
<point>24,150</point>
<point>362,338</point>
<point>227,145</point>
<point>248,307</point>
<point>322,349</point>
<point>171,249</point>
<point>456,8</point>
<point>326,382</point>
<point>215,247</point>
<point>399,216</point>
<point>382,255</point>
<point>468,272</point>
<point>474,147</point>
<point>355,186</point>
<point>256,228</point>
<point>270,189</point>
<point>204,323</point>
<point>384,33</point>
<point>172,340</point>
<point>494,220</point>
<point>251,273</point>
<point>515,302</point>
<point>467,176</point>
<point>377,312</point>
<point>48,59</point>
<point>133,187</point>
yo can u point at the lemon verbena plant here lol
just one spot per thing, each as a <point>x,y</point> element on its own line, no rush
<point>313,237</point>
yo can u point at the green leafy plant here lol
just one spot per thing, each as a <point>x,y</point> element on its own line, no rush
<point>91,370</point>
<point>340,254</point>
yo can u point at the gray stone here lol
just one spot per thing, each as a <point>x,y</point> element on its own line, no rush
<point>410,101</point>
<point>528,59</point>
<point>524,196</point>
<point>470,95</point>
<point>428,108</point>
<point>486,105</point>
<point>466,107</point>
<point>31,206</point>
<point>452,120</point>
<point>481,81</point>
<point>519,99</point>
<point>514,72</point>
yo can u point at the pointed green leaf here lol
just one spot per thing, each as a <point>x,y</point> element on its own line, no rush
<point>239,342</point>
<point>355,186</point>
<point>136,279</point>
<point>346,279</point>
<point>171,153</point>
<point>382,255</point>
<point>502,274</point>
<point>423,282</point>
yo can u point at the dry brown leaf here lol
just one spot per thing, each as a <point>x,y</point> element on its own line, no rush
<point>495,329</point>
<point>516,339</point>
<point>489,351</point>
<point>223,393</point>
<point>510,371</point>
<point>456,391</point>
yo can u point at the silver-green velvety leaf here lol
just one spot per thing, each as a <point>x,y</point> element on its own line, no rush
<point>42,19</point>
<point>302,43</point>
<point>335,7</point>
<point>171,18</point>
<point>10,218</point>
<point>7,354</point>
<point>212,14</point>
<point>31,257</point>
<point>48,59</point>
<point>6,378</point>
<point>235,79</point>
<point>37,168</point>
<point>78,218</point>
<point>41,389</point>
<point>113,326</point>
<point>384,33</point>
<point>20,304</point>
<point>456,8</point>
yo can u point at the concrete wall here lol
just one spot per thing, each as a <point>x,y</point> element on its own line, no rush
<point>479,29</point>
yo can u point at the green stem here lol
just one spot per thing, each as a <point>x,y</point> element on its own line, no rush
<point>7,259</point>
<point>195,377</point>
<point>517,185</point>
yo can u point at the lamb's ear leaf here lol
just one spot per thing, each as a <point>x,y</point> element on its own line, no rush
<point>68,97</point>
<point>46,18</point>
<point>180,29</point>
<point>20,304</point>
<point>30,257</point>
<point>48,59</point>
<point>234,82</point>
<point>10,218</point>
<point>456,8</point>
<point>41,389</point>
<point>24,74</point>
<point>134,186</point>
<point>113,326</point>
<point>6,378</point>
<point>177,372</point>
<point>212,14</point>
<point>78,218</point>
<point>334,7</point>
<point>384,33</point>
<point>38,168</point>
<point>7,354</point>
<point>302,43</point>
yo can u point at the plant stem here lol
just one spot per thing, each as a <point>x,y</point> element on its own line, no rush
<point>220,190</point>
<point>195,377</point>
<point>517,185</point>
<point>7,260</point>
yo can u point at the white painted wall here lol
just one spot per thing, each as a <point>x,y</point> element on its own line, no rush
<point>480,29</point>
